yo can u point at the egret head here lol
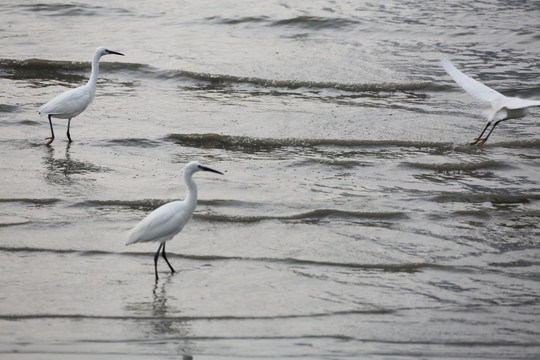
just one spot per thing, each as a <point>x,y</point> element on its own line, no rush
<point>102,50</point>
<point>194,166</point>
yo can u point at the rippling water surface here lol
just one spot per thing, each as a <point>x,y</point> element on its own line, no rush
<point>353,220</point>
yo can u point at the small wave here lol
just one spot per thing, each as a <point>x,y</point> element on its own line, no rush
<point>37,202</point>
<point>222,79</point>
<point>314,215</point>
<point>515,263</point>
<point>5,108</point>
<point>534,143</point>
<point>60,9</point>
<point>341,163</point>
<point>377,311</point>
<point>3,225</point>
<point>396,267</point>
<point>311,216</point>
<point>30,123</point>
<point>325,213</point>
<point>250,144</point>
<point>304,21</point>
<point>236,21</point>
<point>480,214</point>
<point>493,198</point>
<point>510,144</point>
<point>234,143</point>
<point>456,167</point>
<point>151,204</point>
<point>41,69</point>
<point>75,71</point>
<point>8,221</point>
<point>58,251</point>
<point>316,22</point>
<point>135,142</point>
<point>145,204</point>
<point>68,71</point>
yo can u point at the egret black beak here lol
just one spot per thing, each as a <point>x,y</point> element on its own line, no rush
<point>114,52</point>
<point>209,169</point>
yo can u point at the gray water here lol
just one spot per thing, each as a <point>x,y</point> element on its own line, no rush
<point>353,220</point>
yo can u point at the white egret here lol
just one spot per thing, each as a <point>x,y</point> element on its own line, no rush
<point>73,102</point>
<point>165,222</point>
<point>502,107</point>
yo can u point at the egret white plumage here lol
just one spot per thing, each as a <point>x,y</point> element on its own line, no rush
<point>73,102</point>
<point>502,107</point>
<point>165,222</point>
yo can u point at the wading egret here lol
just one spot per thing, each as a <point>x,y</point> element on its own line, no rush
<point>165,222</point>
<point>73,102</point>
<point>502,107</point>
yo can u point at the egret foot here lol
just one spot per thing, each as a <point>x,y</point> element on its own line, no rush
<point>481,142</point>
<point>474,141</point>
<point>49,140</point>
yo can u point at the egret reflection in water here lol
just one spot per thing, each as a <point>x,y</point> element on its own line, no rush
<point>64,171</point>
<point>163,317</point>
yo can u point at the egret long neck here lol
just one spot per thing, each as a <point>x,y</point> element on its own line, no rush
<point>191,198</point>
<point>95,70</point>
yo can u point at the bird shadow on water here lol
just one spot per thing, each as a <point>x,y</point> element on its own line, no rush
<point>161,321</point>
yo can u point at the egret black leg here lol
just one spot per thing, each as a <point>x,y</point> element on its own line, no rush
<point>69,137</point>
<point>165,257</point>
<point>156,259</point>
<point>51,139</point>
<point>482,141</point>
<point>482,133</point>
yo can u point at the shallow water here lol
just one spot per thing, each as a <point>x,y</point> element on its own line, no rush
<point>353,219</point>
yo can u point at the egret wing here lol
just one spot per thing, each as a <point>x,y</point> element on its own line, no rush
<point>162,223</point>
<point>68,104</point>
<point>517,103</point>
<point>475,88</point>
